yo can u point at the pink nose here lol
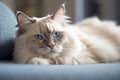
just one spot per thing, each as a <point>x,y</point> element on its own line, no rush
<point>51,45</point>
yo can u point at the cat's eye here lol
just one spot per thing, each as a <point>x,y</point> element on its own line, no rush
<point>38,37</point>
<point>56,34</point>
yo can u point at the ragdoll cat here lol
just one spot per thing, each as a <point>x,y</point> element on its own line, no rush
<point>50,40</point>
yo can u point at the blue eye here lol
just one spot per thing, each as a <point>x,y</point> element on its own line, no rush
<point>38,37</point>
<point>56,34</point>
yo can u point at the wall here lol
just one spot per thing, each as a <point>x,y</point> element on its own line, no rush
<point>50,6</point>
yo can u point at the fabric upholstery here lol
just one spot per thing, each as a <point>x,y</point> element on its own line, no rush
<point>7,31</point>
<point>106,71</point>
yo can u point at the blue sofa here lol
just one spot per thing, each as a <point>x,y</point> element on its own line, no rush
<point>13,71</point>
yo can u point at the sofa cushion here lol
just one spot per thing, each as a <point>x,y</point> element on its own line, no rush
<point>7,31</point>
<point>12,71</point>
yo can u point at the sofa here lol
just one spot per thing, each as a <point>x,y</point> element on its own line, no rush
<point>9,70</point>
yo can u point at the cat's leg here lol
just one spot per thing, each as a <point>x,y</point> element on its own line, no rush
<point>65,61</point>
<point>83,60</point>
<point>40,61</point>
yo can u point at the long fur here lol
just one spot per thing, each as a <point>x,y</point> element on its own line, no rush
<point>89,41</point>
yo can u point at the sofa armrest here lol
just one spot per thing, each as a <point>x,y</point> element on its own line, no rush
<point>8,24</point>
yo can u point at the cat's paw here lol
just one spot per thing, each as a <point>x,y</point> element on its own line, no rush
<point>59,60</point>
<point>38,61</point>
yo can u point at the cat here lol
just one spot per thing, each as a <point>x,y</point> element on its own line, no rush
<point>52,40</point>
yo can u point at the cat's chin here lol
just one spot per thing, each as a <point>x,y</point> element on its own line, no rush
<point>52,55</point>
<point>48,52</point>
<point>53,52</point>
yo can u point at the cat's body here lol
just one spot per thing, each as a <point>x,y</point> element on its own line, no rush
<point>49,41</point>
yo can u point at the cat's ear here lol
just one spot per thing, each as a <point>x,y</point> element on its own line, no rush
<point>60,13</point>
<point>23,19</point>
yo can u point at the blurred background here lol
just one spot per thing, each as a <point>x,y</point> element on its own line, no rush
<point>76,9</point>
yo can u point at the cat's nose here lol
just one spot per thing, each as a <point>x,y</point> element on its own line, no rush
<point>51,45</point>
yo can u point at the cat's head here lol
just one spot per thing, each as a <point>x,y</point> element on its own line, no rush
<point>45,36</point>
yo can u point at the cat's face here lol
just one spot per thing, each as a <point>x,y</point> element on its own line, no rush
<point>45,36</point>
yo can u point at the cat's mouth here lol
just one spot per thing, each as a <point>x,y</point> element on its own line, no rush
<point>52,54</point>
<point>49,51</point>
<point>56,50</point>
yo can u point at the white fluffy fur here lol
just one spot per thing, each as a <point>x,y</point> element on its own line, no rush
<point>89,41</point>
<point>92,41</point>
